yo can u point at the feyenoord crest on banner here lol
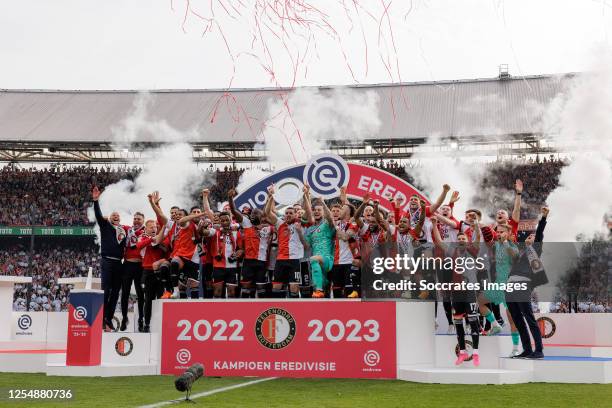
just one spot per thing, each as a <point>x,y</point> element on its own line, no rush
<point>275,328</point>
<point>325,174</point>
<point>124,346</point>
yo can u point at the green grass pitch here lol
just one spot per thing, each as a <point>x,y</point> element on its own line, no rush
<point>315,393</point>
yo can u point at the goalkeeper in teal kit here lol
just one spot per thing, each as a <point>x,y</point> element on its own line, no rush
<point>320,236</point>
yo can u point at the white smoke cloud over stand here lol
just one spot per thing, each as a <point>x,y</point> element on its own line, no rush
<point>169,168</point>
<point>311,118</point>
<point>449,166</point>
<point>581,117</point>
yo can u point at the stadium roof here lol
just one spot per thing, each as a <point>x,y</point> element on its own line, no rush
<point>495,116</point>
<point>483,107</point>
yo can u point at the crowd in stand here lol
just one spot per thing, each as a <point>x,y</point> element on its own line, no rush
<point>61,196</point>
<point>46,265</point>
<point>52,196</point>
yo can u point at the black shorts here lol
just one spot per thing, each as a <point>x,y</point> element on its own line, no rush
<point>254,270</point>
<point>340,275</point>
<point>190,269</point>
<point>464,304</point>
<point>304,276</point>
<point>227,275</point>
<point>207,272</point>
<point>287,270</point>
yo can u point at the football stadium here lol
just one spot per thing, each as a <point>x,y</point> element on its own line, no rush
<point>400,243</point>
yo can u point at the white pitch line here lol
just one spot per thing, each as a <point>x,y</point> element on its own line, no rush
<point>207,393</point>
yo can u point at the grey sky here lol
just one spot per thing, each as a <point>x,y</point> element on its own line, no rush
<point>138,44</point>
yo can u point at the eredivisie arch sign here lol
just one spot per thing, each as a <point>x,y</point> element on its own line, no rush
<point>325,174</point>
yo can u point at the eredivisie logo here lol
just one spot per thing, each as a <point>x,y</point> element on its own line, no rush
<point>275,328</point>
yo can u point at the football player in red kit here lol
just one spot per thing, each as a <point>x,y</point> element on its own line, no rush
<point>226,246</point>
<point>132,271</point>
<point>149,245</point>
<point>257,237</point>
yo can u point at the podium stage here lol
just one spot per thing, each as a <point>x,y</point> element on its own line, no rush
<point>310,338</point>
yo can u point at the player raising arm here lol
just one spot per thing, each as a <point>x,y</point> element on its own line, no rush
<point>321,239</point>
<point>226,246</point>
<point>257,237</point>
<point>112,247</point>
<point>291,243</point>
<point>464,302</point>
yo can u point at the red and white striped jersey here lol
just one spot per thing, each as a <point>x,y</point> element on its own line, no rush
<point>131,239</point>
<point>185,243</point>
<point>256,241</point>
<point>426,232</point>
<point>289,244</point>
<point>273,251</point>
<point>343,254</point>
<point>449,233</point>
<point>222,246</point>
<point>373,238</point>
<point>405,241</point>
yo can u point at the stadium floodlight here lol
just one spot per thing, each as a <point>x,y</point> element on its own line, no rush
<point>125,150</point>
<point>205,150</point>
<point>368,148</point>
<point>454,145</point>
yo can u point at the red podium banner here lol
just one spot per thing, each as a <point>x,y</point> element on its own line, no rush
<point>342,339</point>
<point>84,344</point>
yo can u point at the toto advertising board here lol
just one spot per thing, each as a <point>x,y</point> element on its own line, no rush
<point>343,339</point>
<point>325,174</point>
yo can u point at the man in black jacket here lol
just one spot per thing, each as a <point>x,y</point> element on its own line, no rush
<point>521,310</point>
<point>112,246</point>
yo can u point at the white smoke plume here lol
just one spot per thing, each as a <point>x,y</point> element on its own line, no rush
<point>170,168</point>
<point>451,167</point>
<point>250,177</point>
<point>581,118</point>
<point>302,128</point>
<point>301,124</point>
<point>140,127</point>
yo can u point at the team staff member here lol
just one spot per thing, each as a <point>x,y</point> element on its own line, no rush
<point>112,246</point>
<point>521,311</point>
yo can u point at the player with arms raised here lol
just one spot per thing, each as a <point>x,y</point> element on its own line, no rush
<point>291,244</point>
<point>257,237</point>
<point>464,302</point>
<point>320,237</point>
